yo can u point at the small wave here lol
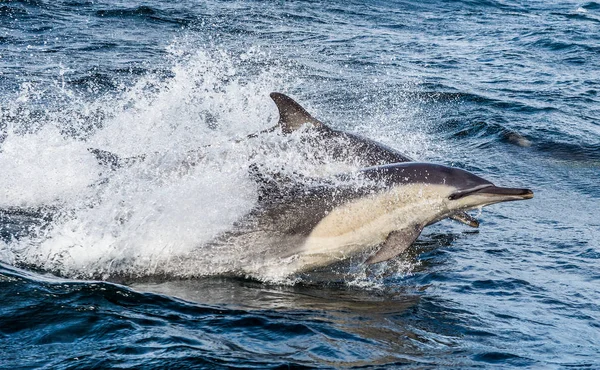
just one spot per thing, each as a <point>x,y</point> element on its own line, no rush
<point>503,358</point>
<point>563,45</point>
<point>570,151</point>
<point>99,46</point>
<point>11,11</point>
<point>436,93</point>
<point>503,287</point>
<point>32,3</point>
<point>139,11</point>
<point>592,5</point>
<point>5,39</point>
<point>142,12</point>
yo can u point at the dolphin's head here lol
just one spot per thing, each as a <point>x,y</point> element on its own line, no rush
<point>456,188</point>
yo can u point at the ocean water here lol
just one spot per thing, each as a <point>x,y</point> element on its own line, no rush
<point>506,89</point>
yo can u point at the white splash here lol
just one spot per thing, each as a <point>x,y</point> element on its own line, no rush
<point>43,168</point>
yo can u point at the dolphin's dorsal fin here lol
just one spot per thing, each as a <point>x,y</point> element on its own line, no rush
<point>291,114</point>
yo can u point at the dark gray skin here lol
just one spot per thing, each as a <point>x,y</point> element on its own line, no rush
<point>288,212</point>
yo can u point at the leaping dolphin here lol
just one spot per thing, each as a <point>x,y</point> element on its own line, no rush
<point>317,225</point>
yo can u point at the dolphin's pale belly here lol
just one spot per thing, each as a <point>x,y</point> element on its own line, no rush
<point>365,223</point>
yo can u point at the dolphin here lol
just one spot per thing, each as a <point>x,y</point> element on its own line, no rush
<point>378,211</point>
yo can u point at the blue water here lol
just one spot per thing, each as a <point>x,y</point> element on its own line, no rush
<point>506,89</point>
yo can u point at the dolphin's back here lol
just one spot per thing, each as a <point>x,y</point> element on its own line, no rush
<point>370,152</point>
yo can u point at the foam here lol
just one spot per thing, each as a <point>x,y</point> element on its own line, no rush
<point>43,168</point>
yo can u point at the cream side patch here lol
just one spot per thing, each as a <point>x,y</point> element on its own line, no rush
<point>367,222</point>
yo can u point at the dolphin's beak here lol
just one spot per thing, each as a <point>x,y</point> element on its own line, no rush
<point>516,193</point>
<point>494,194</point>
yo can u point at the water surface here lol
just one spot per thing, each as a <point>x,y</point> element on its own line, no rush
<point>505,89</point>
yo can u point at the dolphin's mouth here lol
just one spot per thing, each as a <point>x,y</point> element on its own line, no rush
<point>495,192</point>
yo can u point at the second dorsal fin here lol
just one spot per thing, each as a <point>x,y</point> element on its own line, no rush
<point>291,114</point>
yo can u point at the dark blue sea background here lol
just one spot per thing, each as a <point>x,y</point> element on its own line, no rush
<point>506,89</point>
